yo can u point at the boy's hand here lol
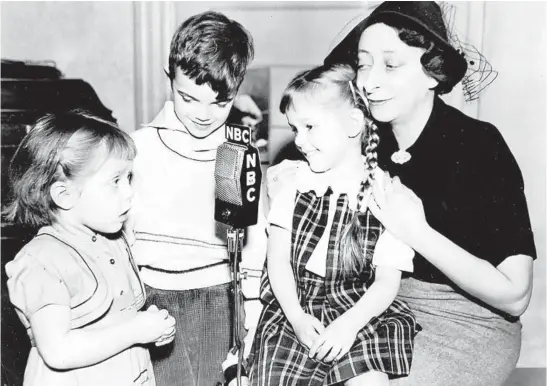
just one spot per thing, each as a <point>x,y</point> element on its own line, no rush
<point>154,325</point>
<point>307,329</point>
<point>335,341</point>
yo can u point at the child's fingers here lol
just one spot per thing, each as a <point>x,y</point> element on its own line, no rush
<point>166,338</point>
<point>333,354</point>
<point>317,325</point>
<point>315,346</point>
<point>165,341</point>
<point>342,352</point>
<point>324,350</point>
<point>153,307</point>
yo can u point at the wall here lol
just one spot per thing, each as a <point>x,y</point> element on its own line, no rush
<point>515,42</point>
<point>88,40</point>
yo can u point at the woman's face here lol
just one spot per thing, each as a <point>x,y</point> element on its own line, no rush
<point>391,75</point>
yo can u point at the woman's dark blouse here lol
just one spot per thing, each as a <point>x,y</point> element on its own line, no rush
<point>470,185</point>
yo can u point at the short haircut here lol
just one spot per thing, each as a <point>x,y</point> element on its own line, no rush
<point>59,147</point>
<point>212,49</point>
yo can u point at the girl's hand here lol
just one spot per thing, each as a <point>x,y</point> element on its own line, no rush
<point>398,208</point>
<point>336,340</point>
<point>154,325</point>
<point>307,328</point>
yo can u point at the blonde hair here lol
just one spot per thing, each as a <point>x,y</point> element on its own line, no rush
<point>331,82</point>
<point>59,147</point>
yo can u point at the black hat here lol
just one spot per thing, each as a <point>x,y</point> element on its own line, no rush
<point>426,16</point>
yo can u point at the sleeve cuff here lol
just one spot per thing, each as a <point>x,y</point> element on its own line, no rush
<point>391,252</point>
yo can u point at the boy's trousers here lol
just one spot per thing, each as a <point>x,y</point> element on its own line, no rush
<point>202,339</point>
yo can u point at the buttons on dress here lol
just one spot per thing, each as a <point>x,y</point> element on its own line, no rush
<point>94,238</point>
<point>112,261</point>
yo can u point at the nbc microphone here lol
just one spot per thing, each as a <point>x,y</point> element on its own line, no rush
<point>237,177</point>
<point>237,191</point>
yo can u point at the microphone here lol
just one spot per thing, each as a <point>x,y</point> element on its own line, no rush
<point>237,192</point>
<point>237,177</point>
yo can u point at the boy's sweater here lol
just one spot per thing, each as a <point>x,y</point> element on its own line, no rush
<point>178,243</point>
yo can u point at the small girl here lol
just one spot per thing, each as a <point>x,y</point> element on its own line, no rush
<point>330,314</point>
<point>75,286</point>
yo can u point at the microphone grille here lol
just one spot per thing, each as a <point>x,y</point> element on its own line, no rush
<point>228,167</point>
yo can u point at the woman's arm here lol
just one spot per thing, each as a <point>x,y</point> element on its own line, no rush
<point>507,287</point>
<point>65,349</point>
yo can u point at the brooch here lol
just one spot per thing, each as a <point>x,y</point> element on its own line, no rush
<point>400,157</point>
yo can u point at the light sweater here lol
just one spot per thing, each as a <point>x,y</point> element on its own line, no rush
<point>178,243</point>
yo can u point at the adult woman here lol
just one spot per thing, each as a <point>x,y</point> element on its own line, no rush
<point>457,199</point>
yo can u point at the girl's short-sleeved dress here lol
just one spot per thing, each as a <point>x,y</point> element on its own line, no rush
<point>385,344</point>
<point>96,277</point>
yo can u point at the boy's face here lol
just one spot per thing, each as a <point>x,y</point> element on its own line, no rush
<point>197,107</point>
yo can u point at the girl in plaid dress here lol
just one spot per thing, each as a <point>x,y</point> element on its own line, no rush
<point>330,314</point>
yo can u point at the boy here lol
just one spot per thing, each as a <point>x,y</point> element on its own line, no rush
<point>181,249</point>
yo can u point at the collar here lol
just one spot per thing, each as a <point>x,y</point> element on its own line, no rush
<point>177,137</point>
<point>167,119</point>
<point>307,181</point>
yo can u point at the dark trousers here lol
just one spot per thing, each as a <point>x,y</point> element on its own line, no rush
<point>202,339</point>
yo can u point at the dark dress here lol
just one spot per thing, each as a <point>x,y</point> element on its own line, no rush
<point>473,193</point>
<point>385,344</point>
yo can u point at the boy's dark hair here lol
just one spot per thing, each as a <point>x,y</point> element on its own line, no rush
<point>210,48</point>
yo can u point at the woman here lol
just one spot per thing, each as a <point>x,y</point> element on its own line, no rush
<point>457,198</point>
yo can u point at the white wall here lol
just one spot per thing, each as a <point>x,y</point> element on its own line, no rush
<point>88,40</point>
<point>515,43</point>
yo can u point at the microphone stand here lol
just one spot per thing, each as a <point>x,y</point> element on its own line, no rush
<point>235,244</point>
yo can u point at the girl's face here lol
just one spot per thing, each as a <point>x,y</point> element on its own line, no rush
<point>105,196</point>
<point>322,134</point>
<point>391,75</point>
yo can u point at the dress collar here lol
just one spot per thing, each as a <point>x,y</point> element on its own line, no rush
<point>307,181</point>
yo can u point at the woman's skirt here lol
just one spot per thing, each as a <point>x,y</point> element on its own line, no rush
<point>462,343</point>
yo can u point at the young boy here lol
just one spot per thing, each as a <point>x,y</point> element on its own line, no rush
<point>182,251</point>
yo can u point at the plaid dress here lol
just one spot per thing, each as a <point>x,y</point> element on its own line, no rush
<point>385,344</point>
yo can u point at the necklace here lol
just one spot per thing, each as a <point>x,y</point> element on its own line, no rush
<point>400,157</point>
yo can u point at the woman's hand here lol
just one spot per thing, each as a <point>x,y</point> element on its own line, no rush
<point>154,325</point>
<point>307,329</point>
<point>397,208</point>
<point>279,176</point>
<point>336,340</point>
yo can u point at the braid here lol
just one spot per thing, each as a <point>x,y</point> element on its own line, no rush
<point>372,141</point>
<point>353,241</point>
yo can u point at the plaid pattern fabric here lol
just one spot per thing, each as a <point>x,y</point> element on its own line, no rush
<point>385,344</point>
